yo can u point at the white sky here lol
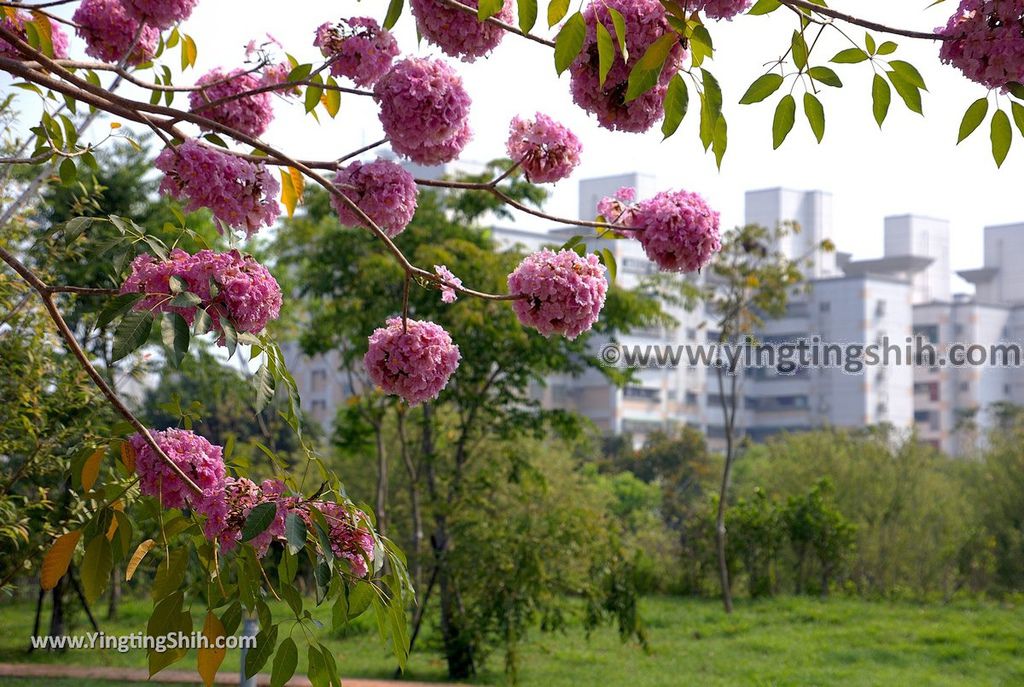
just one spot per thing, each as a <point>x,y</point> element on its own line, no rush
<point>913,166</point>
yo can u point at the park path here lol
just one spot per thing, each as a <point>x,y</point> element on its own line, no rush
<point>178,677</point>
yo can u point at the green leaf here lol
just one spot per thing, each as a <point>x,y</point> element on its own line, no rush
<point>826,76</point>
<point>764,7</point>
<point>316,671</point>
<point>869,42</point>
<point>619,24</point>
<point>886,48</point>
<point>285,662</point>
<point>485,9</point>
<point>1016,90</point>
<point>645,73</point>
<point>185,300</point>
<point>569,42</point>
<point>527,15</point>
<point>785,118</point>
<point>67,171</point>
<point>96,565</point>
<point>973,118</point>
<point>263,381</point>
<point>909,92</point>
<point>1018,115</point>
<point>720,140</point>
<point>395,8</point>
<point>170,574</point>
<point>259,520</point>
<point>909,73</point>
<point>763,87</point>
<point>881,97</point>
<point>677,100</point>
<point>850,56</point>
<point>605,53</point>
<point>175,335</point>
<point>352,602</point>
<point>131,334</point>
<point>815,115</point>
<point>230,335</point>
<point>295,532</point>
<point>1002,136</point>
<point>118,306</point>
<point>799,50</point>
<point>313,94</point>
<point>556,11</point>
<point>256,657</point>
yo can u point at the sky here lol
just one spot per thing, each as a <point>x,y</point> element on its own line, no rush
<point>913,165</point>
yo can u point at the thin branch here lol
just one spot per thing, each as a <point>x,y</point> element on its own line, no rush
<point>83,290</point>
<point>454,4</point>
<point>867,24</point>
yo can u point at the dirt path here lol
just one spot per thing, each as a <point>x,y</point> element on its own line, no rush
<point>187,677</point>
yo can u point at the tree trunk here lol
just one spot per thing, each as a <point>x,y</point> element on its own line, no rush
<point>728,417</point>
<point>114,601</point>
<point>57,627</point>
<point>457,649</point>
<point>382,482</point>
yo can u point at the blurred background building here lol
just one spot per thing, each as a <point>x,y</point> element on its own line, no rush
<point>902,295</point>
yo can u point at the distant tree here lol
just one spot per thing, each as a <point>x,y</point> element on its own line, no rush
<point>349,287</point>
<point>818,531</point>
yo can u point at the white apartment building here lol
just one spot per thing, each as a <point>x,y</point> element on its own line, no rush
<point>903,294</point>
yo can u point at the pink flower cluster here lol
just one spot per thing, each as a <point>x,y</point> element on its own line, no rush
<point>679,230</point>
<point>250,114</point>
<point>239,193</point>
<point>382,189</point>
<point>16,25</point>
<point>108,31</point>
<point>547,150</point>
<point>448,294</point>
<point>725,9</point>
<point>358,49</point>
<point>200,460</point>
<point>230,286</point>
<point>562,293</point>
<point>227,510</point>
<point>424,109</point>
<point>459,33</point>
<point>619,210</point>
<point>986,42</point>
<point>160,13</point>
<point>350,538</point>
<point>645,23</point>
<point>413,361</point>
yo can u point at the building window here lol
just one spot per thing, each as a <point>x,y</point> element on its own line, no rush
<point>965,386</point>
<point>318,381</point>
<point>1006,389</point>
<point>642,393</point>
<point>691,398</point>
<point>319,409</point>
<point>824,307</point>
<point>928,332</point>
<point>922,416</point>
<point>880,309</point>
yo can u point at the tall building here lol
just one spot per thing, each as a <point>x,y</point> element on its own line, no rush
<point>901,297</point>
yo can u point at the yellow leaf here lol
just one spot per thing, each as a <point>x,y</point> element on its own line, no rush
<point>91,468</point>
<point>298,182</point>
<point>210,658</point>
<point>128,456</point>
<point>292,186</point>
<point>115,125</point>
<point>137,557</point>
<point>57,559</point>
<point>331,98</point>
<point>116,505</point>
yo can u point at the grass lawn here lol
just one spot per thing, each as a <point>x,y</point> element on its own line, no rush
<point>789,641</point>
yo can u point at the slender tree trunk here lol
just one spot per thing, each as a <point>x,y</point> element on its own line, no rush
<point>457,650</point>
<point>416,557</point>
<point>728,417</point>
<point>39,613</point>
<point>57,627</point>
<point>114,601</point>
<point>382,481</point>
